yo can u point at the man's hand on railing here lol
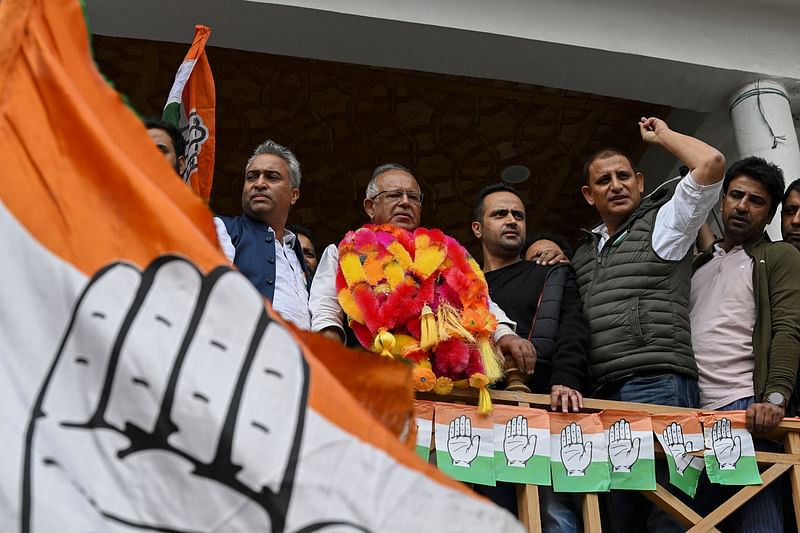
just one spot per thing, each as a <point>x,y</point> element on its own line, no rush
<point>566,397</point>
<point>763,417</point>
<point>520,350</point>
<point>461,445</point>
<point>727,448</point>
<point>623,450</point>
<point>518,445</point>
<point>575,454</point>
<point>681,451</point>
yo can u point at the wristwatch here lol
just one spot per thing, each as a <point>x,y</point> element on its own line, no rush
<point>776,398</point>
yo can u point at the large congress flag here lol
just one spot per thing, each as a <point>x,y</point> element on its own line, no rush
<point>144,385</point>
<point>191,106</point>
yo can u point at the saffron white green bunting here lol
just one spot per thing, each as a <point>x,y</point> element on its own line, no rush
<point>730,455</point>
<point>522,445</point>
<point>578,453</point>
<point>423,415</point>
<point>464,444</point>
<point>680,435</point>
<point>630,449</point>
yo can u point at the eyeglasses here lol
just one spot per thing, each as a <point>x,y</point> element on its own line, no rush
<point>395,196</point>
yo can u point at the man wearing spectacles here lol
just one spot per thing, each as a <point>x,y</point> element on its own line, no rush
<point>393,197</point>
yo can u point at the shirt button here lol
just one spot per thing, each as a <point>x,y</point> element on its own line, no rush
<point>269,281</point>
<point>268,238</point>
<point>270,260</point>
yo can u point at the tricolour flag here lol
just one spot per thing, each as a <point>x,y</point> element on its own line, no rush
<point>730,455</point>
<point>191,106</point>
<point>681,436</point>
<point>423,414</point>
<point>630,449</point>
<point>521,445</point>
<point>578,453</point>
<point>464,444</point>
<point>144,385</point>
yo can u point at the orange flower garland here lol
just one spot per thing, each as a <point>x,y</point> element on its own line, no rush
<point>422,297</point>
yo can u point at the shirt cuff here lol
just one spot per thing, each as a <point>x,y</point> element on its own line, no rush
<point>501,331</point>
<point>319,325</point>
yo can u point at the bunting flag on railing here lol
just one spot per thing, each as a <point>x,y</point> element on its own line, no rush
<point>423,415</point>
<point>464,444</point>
<point>680,435</point>
<point>521,445</point>
<point>631,450</point>
<point>612,449</point>
<point>730,455</point>
<point>578,453</point>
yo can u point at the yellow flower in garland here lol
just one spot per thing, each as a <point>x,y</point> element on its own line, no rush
<point>443,386</point>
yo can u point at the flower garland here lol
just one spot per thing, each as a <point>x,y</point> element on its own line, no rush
<point>421,297</point>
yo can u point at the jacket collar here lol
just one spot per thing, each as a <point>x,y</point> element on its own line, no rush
<point>266,227</point>
<point>255,222</point>
<point>749,248</point>
<point>652,201</point>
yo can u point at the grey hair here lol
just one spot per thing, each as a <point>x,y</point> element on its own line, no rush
<point>270,147</point>
<point>372,186</point>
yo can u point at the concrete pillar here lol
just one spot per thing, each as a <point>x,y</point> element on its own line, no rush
<point>756,109</point>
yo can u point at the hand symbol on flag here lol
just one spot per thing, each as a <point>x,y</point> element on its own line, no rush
<point>461,444</point>
<point>168,386</point>
<point>517,445</point>
<point>575,454</point>
<point>680,450</point>
<point>727,448</point>
<point>623,451</point>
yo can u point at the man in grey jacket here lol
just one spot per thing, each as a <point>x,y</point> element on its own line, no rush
<point>634,275</point>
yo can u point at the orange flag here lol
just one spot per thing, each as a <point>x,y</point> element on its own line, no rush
<point>191,106</point>
<point>143,384</point>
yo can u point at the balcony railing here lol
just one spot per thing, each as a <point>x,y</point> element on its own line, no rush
<point>771,465</point>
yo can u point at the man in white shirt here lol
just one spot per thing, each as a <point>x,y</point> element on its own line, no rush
<point>393,196</point>
<point>257,241</point>
<point>633,276</point>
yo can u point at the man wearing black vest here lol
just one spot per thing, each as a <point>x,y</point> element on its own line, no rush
<point>257,241</point>
<point>634,274</point>
<point>545,304</point>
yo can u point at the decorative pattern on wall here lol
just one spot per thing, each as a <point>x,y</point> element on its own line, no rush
<point>457,134</point>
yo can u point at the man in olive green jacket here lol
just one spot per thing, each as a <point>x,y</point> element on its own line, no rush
<point>745,319</point>
<point>745,302</point>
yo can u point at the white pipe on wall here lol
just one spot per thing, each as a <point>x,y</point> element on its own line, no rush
<point>763,126</point>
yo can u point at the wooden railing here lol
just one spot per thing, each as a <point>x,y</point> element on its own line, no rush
<point>772,466</point>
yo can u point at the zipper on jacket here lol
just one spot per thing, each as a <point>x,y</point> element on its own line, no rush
<point>593,240</point>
